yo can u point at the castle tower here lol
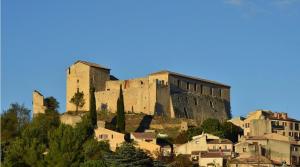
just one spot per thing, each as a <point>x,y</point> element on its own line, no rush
<point>38,103</point>
<point>82,76</point>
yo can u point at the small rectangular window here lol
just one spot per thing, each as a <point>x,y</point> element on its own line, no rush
<point>201,87</point>
<point>69,70</point>
<point>187,86</point>
<point>195,87</point>
<point>178,83</point>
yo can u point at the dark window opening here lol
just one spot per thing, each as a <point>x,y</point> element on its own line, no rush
<point>195,87</point>
<point>220,92</point>
<point>211,91</point>
<point>142,82</point>
<point>196,102</point>
<point>187,86</point>
<point>178,83</point>
<point>201,87</point>
<point>69,70</point>
<point>77,80</point>
<point>185,112</point>
<point>211,104</point>
<point>296,126</point>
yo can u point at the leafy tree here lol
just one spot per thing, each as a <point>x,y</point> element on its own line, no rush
<point>22,153</point>
<point>213,126</point>
<point>13,121</point>
<point>186,136</point>
<point>181,161</point>
<point>120,112</point>
<point>78,100</point>
<point>127,156</point>
<point>94,163</point>
<point>41,125</point>
<point>51,103</point>
<point>93,112</point>
<point>64,147</point>
<point>231,131</point>
<point>94,150</point>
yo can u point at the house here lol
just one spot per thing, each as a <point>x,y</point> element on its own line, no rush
<point>115,139</point>
<point>277,148</point>
<point>149,137</point>
<point>252,161</point>
<point>262,122</point>
<point>207,143</point>
<point>211,159</point>
<point>146,141</point>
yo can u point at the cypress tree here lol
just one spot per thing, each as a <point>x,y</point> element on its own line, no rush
<point>93,112</point>
<point>120,112</point>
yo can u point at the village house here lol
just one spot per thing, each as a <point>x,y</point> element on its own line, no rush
<point>146,141</point>
<point>205,143</point>
<point>262,122</point>
<point>114,138</point>
<point>277,148</point>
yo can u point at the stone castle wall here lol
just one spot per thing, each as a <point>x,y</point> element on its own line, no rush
<point>162,93</point>
<point>38,103</point>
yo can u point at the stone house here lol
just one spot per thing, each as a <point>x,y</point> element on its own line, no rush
<point>146,141</point>
<point>211,159</point>
<point>162,93</point>
<point>262,122</point>
<point>205,143</point>
<point>114,138</point>
<point>278,148</point>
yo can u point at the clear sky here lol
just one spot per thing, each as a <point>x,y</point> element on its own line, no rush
<point>252,45</point>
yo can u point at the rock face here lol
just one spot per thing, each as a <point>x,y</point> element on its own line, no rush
<point>161,93</point>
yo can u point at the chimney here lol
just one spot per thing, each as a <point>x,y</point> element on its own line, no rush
<point>284,115</point>
<point>276,115</point>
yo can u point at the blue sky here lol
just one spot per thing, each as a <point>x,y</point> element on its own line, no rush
<point>252,45</point>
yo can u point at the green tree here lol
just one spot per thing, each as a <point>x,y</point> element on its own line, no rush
<point>41,125</point>
<point>95,150</point>
<point>127,156</point>
<point>93,112</point>
<point>64,147</point>
<point>231,131</point>
<point>213,126</point>
<point>23,153</point>
<point>78,100</point>
<point>13,121</point>
<point>94,163</point>
<point>181,161</point>
<point>120,112</point>
<point>51,103</point>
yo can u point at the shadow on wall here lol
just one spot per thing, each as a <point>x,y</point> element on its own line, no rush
<point>112,124</point>
<point>145,123</point>
<point>159,109</point>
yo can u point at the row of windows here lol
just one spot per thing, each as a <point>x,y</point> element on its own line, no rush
<point>291,125</point>
<point>195,87</point>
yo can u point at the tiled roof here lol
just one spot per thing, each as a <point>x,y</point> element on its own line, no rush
<point>91,64</point>
<point>219,141</point>
<point>144,135</point>
<point>189,77</point>
<point>251,160</point>
<point>212,155</point>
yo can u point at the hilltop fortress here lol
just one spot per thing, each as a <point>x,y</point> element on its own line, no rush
<point>162,93</point>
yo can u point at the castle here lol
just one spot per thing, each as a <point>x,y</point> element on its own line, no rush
<point>163,93</point>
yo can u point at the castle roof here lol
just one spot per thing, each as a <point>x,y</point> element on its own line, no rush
<point>189,77</point>
<point>91,64</point>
